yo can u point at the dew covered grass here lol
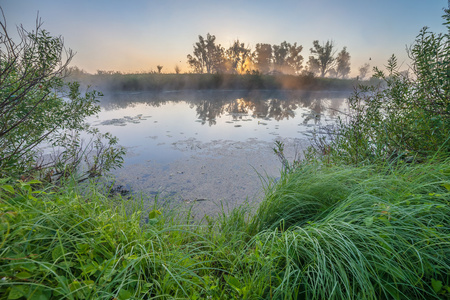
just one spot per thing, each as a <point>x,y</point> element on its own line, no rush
<point>321,233</point>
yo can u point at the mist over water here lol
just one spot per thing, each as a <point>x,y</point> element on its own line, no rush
<point>160,126</point>
<point>154,126</point>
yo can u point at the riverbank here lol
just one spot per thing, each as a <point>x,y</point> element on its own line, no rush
<point>114,81</point>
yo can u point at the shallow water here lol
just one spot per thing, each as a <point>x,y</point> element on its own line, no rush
<point>206,147</point>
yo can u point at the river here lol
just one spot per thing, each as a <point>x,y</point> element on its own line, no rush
<point>211,148</point>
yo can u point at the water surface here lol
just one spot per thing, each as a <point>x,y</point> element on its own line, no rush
<point>211,145</point>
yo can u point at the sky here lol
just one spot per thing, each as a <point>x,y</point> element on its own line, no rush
<point>138,35</point>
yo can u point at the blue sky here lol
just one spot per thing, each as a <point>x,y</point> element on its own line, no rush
<point>138,35</point>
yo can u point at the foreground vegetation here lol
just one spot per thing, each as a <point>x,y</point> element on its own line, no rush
<point>365,216</point>
<point>334,233</point>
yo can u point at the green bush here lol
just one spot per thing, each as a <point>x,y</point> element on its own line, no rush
<point>407,117</point>
<point>37,106</point>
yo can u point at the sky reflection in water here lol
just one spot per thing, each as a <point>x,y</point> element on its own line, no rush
<point>163,127</point>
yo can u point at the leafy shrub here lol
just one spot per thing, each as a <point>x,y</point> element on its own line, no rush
<point>37,106</point>
<point>407,117</point>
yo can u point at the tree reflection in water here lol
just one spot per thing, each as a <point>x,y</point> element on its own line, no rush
<point>210,105</point>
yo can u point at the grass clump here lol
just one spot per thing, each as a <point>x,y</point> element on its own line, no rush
<point>66,244</point>
<point>363,235</point>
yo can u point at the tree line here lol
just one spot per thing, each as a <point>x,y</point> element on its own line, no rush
<point>210,57</point>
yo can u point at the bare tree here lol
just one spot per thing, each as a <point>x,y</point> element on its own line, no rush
<point>159,68</point>
<point>177,69</point>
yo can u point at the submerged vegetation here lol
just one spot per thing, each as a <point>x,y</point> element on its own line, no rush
<point>365,216</point>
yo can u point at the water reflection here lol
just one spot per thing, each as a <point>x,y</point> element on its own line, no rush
<point>210,144</point>
<point>241,105</point>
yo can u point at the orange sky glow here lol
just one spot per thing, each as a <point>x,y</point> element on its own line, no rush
<point>137,36</point>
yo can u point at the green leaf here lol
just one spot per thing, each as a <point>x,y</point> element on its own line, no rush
<point>34,181</point>
<point>447,186</point>
<point>234,282</point>
<point>40,294</point>
<point>23,275</point>
<point>436,284</point>
<point>124,294</point>
<point>152,221</point>
<point>17,291</point>
<point>131,257</point>
<point>75,285</point>
<point>368,221</point>
<point>57,253</point>
<point>66,264</point>
<point>153,214</point>
<point>8,188</point>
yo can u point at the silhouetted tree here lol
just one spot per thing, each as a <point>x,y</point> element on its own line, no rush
<point>159,68</point>
<point>363,70</point>
<point>287,58</point>
<point>239,58</point>
<point>294,59</point>
<point>323,57</point>
<point>208,57</point>
<point>313,65</point>
<point>333,73</point>
<point>177,69</point>
<point>263,57</point>
<point>280,53</point>
<point>343,63</point>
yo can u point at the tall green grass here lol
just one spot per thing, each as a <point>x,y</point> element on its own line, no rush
<point>358,233</point>
<point>81,245</point>
<point>321,233</point>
